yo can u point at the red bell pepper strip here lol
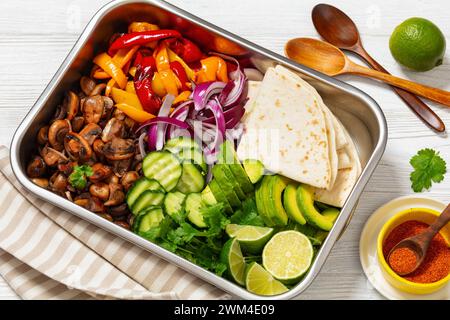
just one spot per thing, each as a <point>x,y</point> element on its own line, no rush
<point>143,85</point>
<point>178,69</point>
<point>141,38</point>
<point>186,49</point>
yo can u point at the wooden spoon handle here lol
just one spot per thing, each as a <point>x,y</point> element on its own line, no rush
<point>423,111</point>
<point>435,94</point>
<point>443,219</point>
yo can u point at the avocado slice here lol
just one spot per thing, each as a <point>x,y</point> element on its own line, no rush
<point>226,186</point>
<point>230,177</point>
<point>260,198</point>
<point>290,204</point>
<point>254,169</point>
<point>227,155</point>
<point>305,202</point>
<point>219,195</point>
<point>276,187</point>
<point>208,196</point>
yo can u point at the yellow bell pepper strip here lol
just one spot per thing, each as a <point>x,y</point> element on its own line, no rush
<point>174,57</point>
<point>170,81</point>
<point>162,58</point>
<point>141,26</point>
<point>182,97</point>
<point>130,87</point>
<point>132,71</point>
<point>124,97</point>
<point>213,68</point>
<point>121,58</point>
<point>105,62</point>
<point>109,86</point>
<point>135,114</point>
<point>158,85</point>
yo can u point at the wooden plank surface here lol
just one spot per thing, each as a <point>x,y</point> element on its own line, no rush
<point>35,37</point>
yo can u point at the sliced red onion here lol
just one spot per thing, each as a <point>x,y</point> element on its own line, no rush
<point>232,113</point>
<point>166,120</point>
<point>152,137</point>
<point>217,111</point>
<point>253,74</point>
<point>141,144</point>
<point>203,92</point>
<point>164,111</point>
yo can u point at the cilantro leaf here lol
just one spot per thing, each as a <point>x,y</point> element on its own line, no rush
<point>78,177</point>
<point>248,215</point>
<point>428,167</point>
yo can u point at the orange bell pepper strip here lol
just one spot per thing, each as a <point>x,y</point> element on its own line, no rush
<point>162,58</point>
<point>105,62</point>
<point>170,81</point>
<point>135,114</point>
<point>141,27</point>
<point>158,85</point>
<point>109,86</point>
<point>174,57</point>
<point>122,57</point>
<point>182,97</point>
<point>124,97</point>
<point>213,68</point>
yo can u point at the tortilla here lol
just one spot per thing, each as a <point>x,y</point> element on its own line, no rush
<point>288,115</point>
<point>344,161</point>
<point>252,92</point>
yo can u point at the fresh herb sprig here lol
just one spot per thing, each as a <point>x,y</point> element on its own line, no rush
<point>428,167</point>
<point>79,175</point>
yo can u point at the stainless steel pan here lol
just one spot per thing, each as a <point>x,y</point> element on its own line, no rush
<point>359,112</point>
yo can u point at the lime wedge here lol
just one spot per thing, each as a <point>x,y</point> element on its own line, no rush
<point>252,239</point>
<point>232,256</point>
<point>259,281</point>
<point>288,255</point>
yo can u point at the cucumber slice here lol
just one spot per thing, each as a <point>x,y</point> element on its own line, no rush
<point>148,219</point>
<point>140,186</point>
<point>175,145</point>
<point>226,186</point>
<point>195,156</point>
<point>208,196</point>
<point>164,167</point>
<point>174,203</point>
<point>194,203</point>
<point>254,169</point>
<point>191,179</point>
<point>227,155</point>
<point>220,196</point>
<point>146,199</point>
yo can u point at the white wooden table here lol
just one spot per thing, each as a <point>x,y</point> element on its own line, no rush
<point>35,37</point>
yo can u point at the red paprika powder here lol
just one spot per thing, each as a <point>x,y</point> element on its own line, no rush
<point>436,264</point>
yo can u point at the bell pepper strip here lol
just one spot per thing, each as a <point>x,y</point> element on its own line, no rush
<point>109,86</point>
<point>158,85</point>
<point>170,81</point>
<point>141,26</point>
<point>143,85</point>
<point>130,87</point>
<point>135,114</point>
<point>178,69</point>
<point>213,68</point>
<point>122,58</point>
<point>105,62</point>
<point>186,49</point>
<point>162,58</point>
<point>141,38</point>
<point>182,97</point>
<point>174,57</point>
<point>132,71</point>
<point>124,97</point>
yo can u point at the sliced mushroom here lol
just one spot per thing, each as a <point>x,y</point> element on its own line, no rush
<point>120,115</point>
<point>129,179</point>
<point>87,85</point>
<point>100,190</point>
<point>120,211</point>
<point>52,157</point>
<point>57,132</point>
<point>77,124</point>
<point>101,172</point>
<point>42,136</point>
<point>77,147</point>
<point>60,113</point>
<point>113,179</point>
<point>114,128</point>
<point>36,168</point>
<point>93,109</point>
<point>58,182</point>
<point>90,203</point>
<point>90,132</point>
<point>98,89</point>
<point>67,167</point>
<point>106,216</point>
<point>97,146</point>
<point>72,104</point>
<point>116,195</point>
<point>121,167</point>
<point>41,182</point>
<point>123,224</point>
<point>119,149</point>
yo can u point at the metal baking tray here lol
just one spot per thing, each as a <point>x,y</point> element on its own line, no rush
<point>359,112</point>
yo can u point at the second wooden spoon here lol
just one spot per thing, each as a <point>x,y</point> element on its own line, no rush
<point>339,30</point>
<point>328,59</point>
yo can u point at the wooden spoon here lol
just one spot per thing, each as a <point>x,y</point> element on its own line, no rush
<point>328,59</point>
<point>421,242</point>
<point>339,30</point>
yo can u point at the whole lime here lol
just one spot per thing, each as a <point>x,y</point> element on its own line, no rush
<point>418,44</point>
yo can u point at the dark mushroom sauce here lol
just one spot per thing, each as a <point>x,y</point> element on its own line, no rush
<point>88,153</point>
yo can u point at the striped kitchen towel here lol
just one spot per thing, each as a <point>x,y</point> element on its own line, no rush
<point>47,253</point>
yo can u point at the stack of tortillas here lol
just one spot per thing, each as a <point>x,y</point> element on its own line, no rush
<point>292,132</point>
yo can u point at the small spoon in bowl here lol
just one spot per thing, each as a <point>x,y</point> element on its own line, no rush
<point>338,29</point>
<point>328,59</point>
<point>419,244</point>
